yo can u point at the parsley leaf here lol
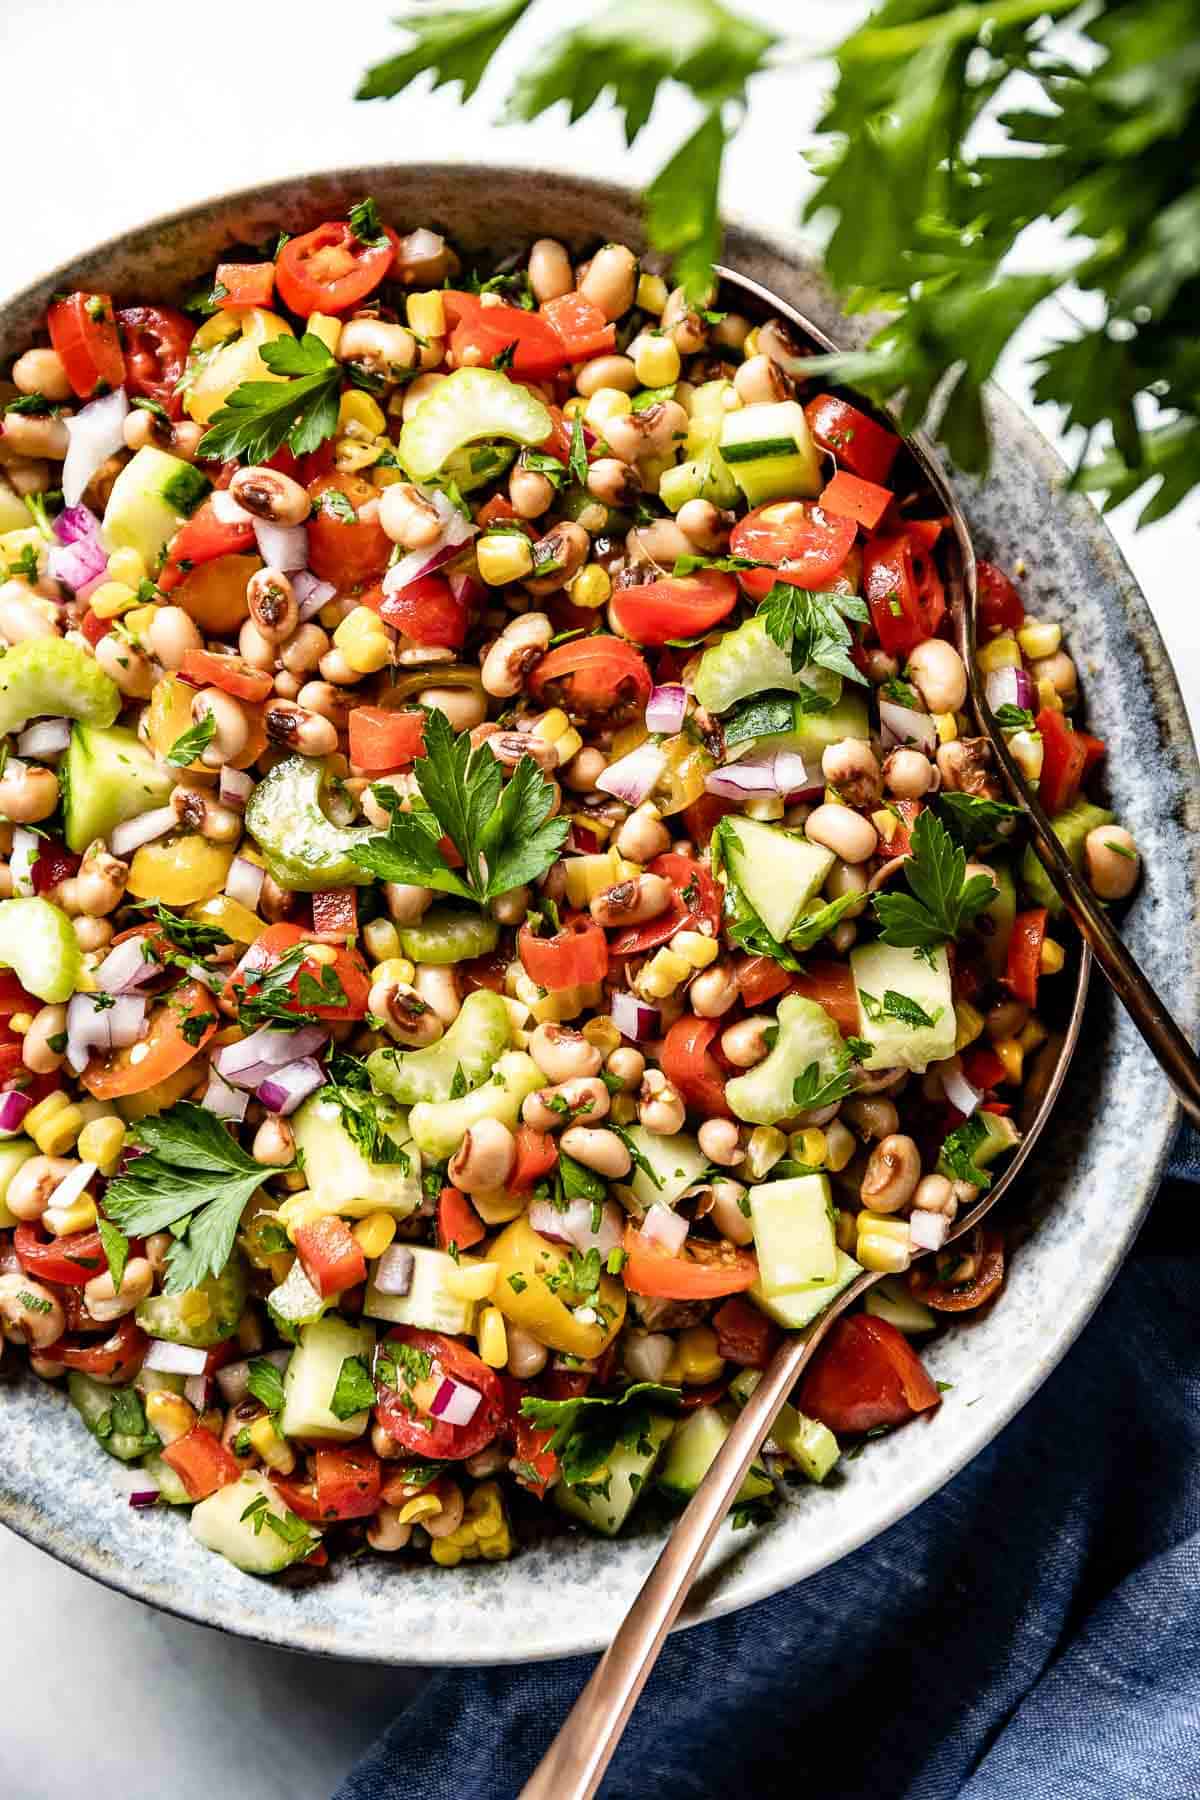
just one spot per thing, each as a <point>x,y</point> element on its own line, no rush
<point>191,936</point>
<point>901,1007</point>
<point>354,1389</point>
<point>812,627</point>
<point>957,1157</point>
<point>728,565</point>
<point>975,820</point>
<point>259,417</point>
<point>812,1090</point>
<point>193,742</point>
<point>116,1249</point>
<point>265,1382</point>
<point>456,45</point>
<point>590,1427</point>
<point>577,459</point>
<point>1014,718</point>
<point>368,1121</point>
<point>940,903</point>
<point>366,225</point>
<point>682,205</point>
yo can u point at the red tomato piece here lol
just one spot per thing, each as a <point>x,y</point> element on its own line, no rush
<point>903,590</point>
<point>982,1067</point>
<point>678,606</point>
<point>937,1287</point>
<point>156,340</point>
<point>278,941</point>
<point>850,497</point>
<point>245,284</point>
<point>695,901</point>
<point>202,1462</point>
<point>69,1261</point>
<point>348,1483</point>
<point>94,628</point>
<point>115,1360</point>
<point>343,547</point>
<point>865,1374</point>
<point>744,1335</point>
<point>537,1154</point>
<point>538,1465</point>
<point>999,606</point>
<point>595,674</point>
<point>803,545</point>
<point>580,325</point>
<point>329,271</point>
<point>687,1063</point>
<point>854,438</point>
<point>382,740</point>
<point>702,1270</point>
<point>202,539</point>
<point>573,957</point>
<point>299,1497</point>
<point>426,611</point>
<point>232,674</point>
<point>831,985</point>
<point>1025,956</point>
<point>83,329</point>
<point>457,1221</point>
<point>481,333</point>
<point>430,1438</point>
<point>10,1062</point>
<point>331,1255</point>
<point>13,998</point>
<point>1064,761</point>
<point>335,913</point>
<point>166,1048</point>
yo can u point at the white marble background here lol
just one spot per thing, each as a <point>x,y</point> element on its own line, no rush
<point>113,112</point>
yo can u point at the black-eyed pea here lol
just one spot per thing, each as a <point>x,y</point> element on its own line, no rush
<point>105,1302</point>
<point>485,1158</point>
<point>892,1173</point>
<point>562,1053</point>
<point>48,1028</point>
<point>271,495</point>
<point>845,832</point>
<point>601,1151</point>
<point>29,1312</point>
<point>631,902</point>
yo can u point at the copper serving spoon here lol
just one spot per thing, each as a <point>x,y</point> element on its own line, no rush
<point>574,1765</point>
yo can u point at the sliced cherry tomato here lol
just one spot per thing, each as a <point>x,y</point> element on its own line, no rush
<point>245,284</point>
<point>114,1360</point>
<point>831,985</point>
<point>999,605</point>
<point>903,590</point>
<point>480,334</point>
<point>695,901</point>
<point>574,957</point>
<point>202,1462</point>
<point>83,329</point>
<point>329,271</point>
<point>595,675</point>
<point>760,978</point>
<point>426,611</point>
<point>1025,955</point>
<point>331,1255</point>
<point>864,1375</point>
<point>335,914</point>
<point>382,740</point>
<point>13,998</point>
<point>744,1335</point>
<point>703,1270</point>
<point>348,1483</point>
<point>1064,761</point>
<point>937,1287</point>
<point>202,539</point>
<point>537,1154</point>
<point>854,438</point>
<point>70,1261</point>
<point>347,969</point>
<point>457,1221</point>
<point>678,606</point>
<point>299,1497</point>
<point>342,547</point>
<point>179,1029</point>
<point>232,674</point>
<point>156,340</point>
<point>426,1436</point>
<point>850,497</point>
<point>687,1064</point>
<point>581,326</point>
<point>803,545</point>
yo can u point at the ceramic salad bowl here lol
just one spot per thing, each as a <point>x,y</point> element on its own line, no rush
<point>1086,1187</point>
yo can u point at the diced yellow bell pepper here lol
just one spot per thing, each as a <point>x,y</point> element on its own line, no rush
<point>230,916</point>
<point>180,872</point>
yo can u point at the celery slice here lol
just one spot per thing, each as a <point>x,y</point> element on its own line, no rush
<point>42,677</point>
<point>38,942</point>
<point>470,405</point>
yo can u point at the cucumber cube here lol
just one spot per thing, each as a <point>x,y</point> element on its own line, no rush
<point>429,1303</point>
<point>880,969</point>
<point>312,1375</point>
<point>793,1233</point>
<point>801,1305</point>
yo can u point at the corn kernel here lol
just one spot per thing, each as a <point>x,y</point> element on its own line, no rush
<point>606,404</point>
<point>695,948</point>
<point>492,1337</point>
<point>327,328</point>
<point>603,1035</point>
<point>43,1122</point>
<point>656,360</point>
<point>101,1142</point>
<point>592,587</point>
<point>381,940</point>
<point>503,556</point>
<point>363,640</point>
<point>969,1024</point>
<point>357,408</point>
<point>169,1415</point>
<point>495,1206</point>
<point>427,314</point>
<point>1028,752</point>
<point>332,615</point>
<point>424,1506</point>
<point>568,745</point>
<point>813,1147</point>
<point>274,1450</point>
<point>766,1146</point>
<point>445,1554</point>
<point>1033,1034</point>
<point>750,344</point>
<point>1002,653</point>
<point>111,599</point>
<point>374,1233</point>
<point>623,1109</point>
<point>1012,1056</point>
<point>699,1359</point>
<point>840,1146</point>
<point>574,405</point>
<point>1038,638</point>
<point>126,566</point>
<point>845,1230</point>
<point>947,727</point>
<point>395,968</point>
<point>883,1244</point>
<point>64,1220</point>
<point>1049,697</point>
<point>20,1023</point>
<point>652,294</point>
<point>885,823</point>
<point>470,1280</point>
<point>661,975</point>
<point>1052,958</point>
<point>551,726</point>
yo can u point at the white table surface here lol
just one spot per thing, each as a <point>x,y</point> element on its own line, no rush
<point>113,112</point>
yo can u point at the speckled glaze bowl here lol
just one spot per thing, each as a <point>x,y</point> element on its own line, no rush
<point>1089,1182</point>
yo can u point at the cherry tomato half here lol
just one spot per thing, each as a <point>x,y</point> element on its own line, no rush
<point>482,333</point>
<point>426,611</point>
<point>947,1295</point>
<point>114,1360</point>
<point>702,1270</point>
<point>68,1261</point>
<point>325,964</point>
<point>689,1066</point>
<point>83,330</point>
<point>574,957</point>
<point>1000,606</point>
<point>595,674</point>
<point>679,606</point>
<point>903,590</point>
<point>156,340</point>
<point>429,1437</point>
<point>179,1029</point>
<point>343,547</point>
<point>695,901</point>
<point>866,1374</point>
<point>803,545</point>
<point>329,271</point>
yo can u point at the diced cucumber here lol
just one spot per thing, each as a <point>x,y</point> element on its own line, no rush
<point>811,1445</point>
<point>793,1233</point>
<point>51,676</point>
<point>236,1522</point>
<point>747,661</point>
<point>800,1306</point>
<point>38,942</point>
<point>892,1301</point>
<point>880,969</point>
<point>340,1179</point>
<point>770,450</point>
<point>778,871</point>
<point>678,1162</point>
<point>707,411</point>
<point>994,924</point>
<point>14,514</point>
<point>438,1126</point>
<point>202,1316</point>
<point>296,1303</point>
<point>995,1134</point>
<point>1071,828</point>
<point>304,849</point>
<point>94,1403</point>
<point>166,1480</point>
<point>449,934</point>
<point>13,1152</point>
<point>692,1451</point>
<point>159,1381</point>
<point>703,477</point>
<point>479,1035</point>
<point>612,1490</point>
<point>468,405</point>
<point>807,1035</point>
<point>429,1304</point>
<point>312,1375</point>
<point>107,776</point>
<point>149,501</point>
<point>770,722</point>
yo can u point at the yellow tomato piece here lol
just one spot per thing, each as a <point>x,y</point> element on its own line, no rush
<point>179,873</point>
<point>682,780</point>
<point>164,1094</point>
<point>170,715</point>
<point>243,926</point>
<point>497,1206</point>
<point>523,1252</point>
<point>224,353</point>
<point>214,593</point>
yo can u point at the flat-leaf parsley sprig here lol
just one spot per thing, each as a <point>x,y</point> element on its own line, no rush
<point>941,902</point>
<point>259,417</point>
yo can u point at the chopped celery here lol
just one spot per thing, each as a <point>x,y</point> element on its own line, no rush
<point>748,661</point>
<point>41,676</point>
<point>806,1035</point>
<point>37,940</point>
<point>438,1126</point>
<point>304,849</point>
<point>469,405</point>
<point>482,1030</point>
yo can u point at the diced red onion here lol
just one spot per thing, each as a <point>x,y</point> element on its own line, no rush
<point>233,1378</point>
<point>743,780</point>
<point>927,1230</point>
<point>633,1018</point>
<point>573,1224</point>
<point>252,1061</point>
<point>282,547</point>
<point>78,566</point>
<point>633,777</point>
<point>466,588</point>
<point>1009,687</point>
<point>648,1357</point>
<point>456,531</point>
<point>224,1101</point>
<point>94,433</point>
<point>113,1027</point>
<point>791,777</point>
<point>244,882</point>
<point>662,1226</point>
<point>455,1403</point>
<point>903,725</point>
<point>198,1389</point>
<point>311,593</point>
<point>235,788</point>
<point>582,840</point>
<point>48,737</point>
<point>126,967</point>
<point>131,834</point>
<point>25,851</point>
<point>143,1498</point>
<point>958,1090</point>
<point>283,1090</point>
<point>72,1185</point>
<point>394,1270</point>
<point>175,1359</point>
<point>226,510</point>
<point>13,1107</point>
<point>666,707</point>
<point>74,523</point>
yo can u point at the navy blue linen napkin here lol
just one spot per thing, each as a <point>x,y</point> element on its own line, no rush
<point>1032,1632</point>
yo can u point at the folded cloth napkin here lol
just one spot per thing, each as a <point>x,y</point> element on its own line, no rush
<point>1032,1632</point>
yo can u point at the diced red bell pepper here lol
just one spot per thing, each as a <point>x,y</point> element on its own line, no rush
<point>94,627</point>
<point>457,1221</point>
<point>202,1462</point>
<point>850,497</point>
<point>856,440</point>
<point>982,1067</point>
<point>382,740</point>
<point>202,539</point>
<point>331,1256</point>
<point>348,1483</point>
<point>1065,758</point>
<point>1025,955</point>
<point>245,284</point>
<point>537,1154</point>
<point>999,605</point>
